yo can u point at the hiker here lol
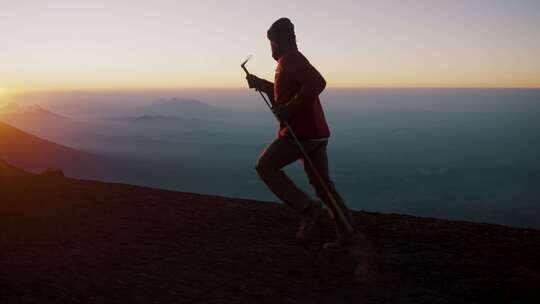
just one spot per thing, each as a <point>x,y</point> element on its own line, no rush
<point>297,85</point>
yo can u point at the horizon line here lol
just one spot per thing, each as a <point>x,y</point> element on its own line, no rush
<point>149,89</point>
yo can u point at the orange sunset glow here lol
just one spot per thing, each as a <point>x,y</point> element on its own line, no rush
<point>176,44</point>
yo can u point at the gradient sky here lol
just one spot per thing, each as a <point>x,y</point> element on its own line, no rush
<point>112,44</point>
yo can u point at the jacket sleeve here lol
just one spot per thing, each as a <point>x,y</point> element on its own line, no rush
<point>310,80</point>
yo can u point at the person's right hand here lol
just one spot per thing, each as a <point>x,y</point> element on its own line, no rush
<point>254,82</point>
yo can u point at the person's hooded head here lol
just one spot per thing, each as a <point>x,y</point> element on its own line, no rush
<point>282,37</point>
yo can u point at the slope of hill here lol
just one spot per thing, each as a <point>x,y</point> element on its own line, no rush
<point>10,175</point>
<point>75,241</point>
<point>35,154</point>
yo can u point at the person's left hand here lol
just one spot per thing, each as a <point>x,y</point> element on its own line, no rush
<point>254,82</point>
<point>282,113</point>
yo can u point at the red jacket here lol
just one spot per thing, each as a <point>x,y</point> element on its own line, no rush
<point>297,86</point>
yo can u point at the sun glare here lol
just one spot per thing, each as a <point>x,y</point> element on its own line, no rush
<point>4,96</point>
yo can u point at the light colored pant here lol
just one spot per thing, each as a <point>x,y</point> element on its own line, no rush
<point>284,151</point>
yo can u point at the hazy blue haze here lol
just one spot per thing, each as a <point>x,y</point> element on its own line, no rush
<point>467,154</point>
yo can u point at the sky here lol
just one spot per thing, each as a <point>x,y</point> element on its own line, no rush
<point>134,44</point>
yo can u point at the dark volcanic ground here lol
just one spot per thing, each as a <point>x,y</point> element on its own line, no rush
<point>73,241</point>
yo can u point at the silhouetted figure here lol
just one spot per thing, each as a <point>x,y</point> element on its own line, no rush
<point>295,93</point>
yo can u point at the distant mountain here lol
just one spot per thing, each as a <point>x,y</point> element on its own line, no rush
<point>37,120</point>
<point>35,154</point>
<point>195,109</point>
<point>151,119</point>
<point>181,107</point>
<point>51,126</point>
<point>180,123</point>
<point>13,109</point>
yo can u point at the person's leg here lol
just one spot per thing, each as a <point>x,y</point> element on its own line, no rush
<point>319,159</point>
<point>278,154</point>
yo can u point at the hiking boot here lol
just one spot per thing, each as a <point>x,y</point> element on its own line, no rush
<point>310,219</point>
<point>355,240</point>
<point>344,242</point>
<point>339,245</point>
